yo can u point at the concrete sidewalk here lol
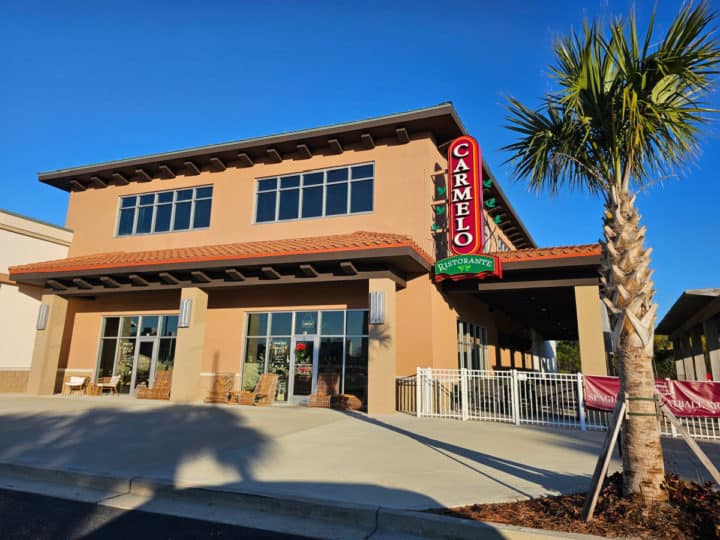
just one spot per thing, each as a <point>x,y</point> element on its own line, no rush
<point>396,461</point>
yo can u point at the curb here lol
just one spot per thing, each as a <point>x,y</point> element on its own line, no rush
<point>331,519</point>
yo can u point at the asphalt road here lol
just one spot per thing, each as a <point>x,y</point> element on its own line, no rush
<point>28,516</point>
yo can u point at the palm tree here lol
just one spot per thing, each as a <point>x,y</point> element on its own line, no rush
<point>625,113</point>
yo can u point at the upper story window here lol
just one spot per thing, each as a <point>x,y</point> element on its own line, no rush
<point>165,211</point>
<point>331,192</point>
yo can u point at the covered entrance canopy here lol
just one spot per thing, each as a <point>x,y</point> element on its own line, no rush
<point>553,291</point>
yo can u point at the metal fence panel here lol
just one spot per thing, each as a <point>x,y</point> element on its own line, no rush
<point>537,398</point>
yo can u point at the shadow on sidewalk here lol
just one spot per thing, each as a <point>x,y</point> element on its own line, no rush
<point>112,441</point>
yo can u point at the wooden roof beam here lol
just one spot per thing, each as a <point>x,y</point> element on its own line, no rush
<point>402,135</point>
<point>166,173</point>
<point>77,186</point>
<point>307,270</point>
<point>138,280</point>
<point>367,141</point>
<point>200,277</point>
<point>304,151</point>
<point>191,169</point>
<point>217,164</point>
<point>119,179</point>
<point>348,268</point>
<point>268,272</point>
<point>81,283</point>
<point>98,182</point>
<point>274,155</point>
<point>109,282</point>
<point>234,274</point>
<point>142,175</point>
<point>244,160</point>
<point>335,146</point>
<point>167,277</point>
<point>57,285</point>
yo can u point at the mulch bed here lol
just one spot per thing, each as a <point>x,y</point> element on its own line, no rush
<point>693,512</point>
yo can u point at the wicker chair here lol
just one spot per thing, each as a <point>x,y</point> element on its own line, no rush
<point>108,383</point>
<point>328,385</point>
<point>264,393</point>
<point>159,390</point>
<point>346,402</point>
<point>221,388</point>
<point>77,385</point>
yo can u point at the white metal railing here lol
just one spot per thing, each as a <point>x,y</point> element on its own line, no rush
<point>516,397</point>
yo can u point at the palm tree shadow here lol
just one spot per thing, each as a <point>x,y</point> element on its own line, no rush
<point>160,442</point>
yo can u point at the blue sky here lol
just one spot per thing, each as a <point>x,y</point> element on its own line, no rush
<point>87,81</point>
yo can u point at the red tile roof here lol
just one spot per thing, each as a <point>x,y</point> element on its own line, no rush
<point>232,252</point>
<point>540,254</point>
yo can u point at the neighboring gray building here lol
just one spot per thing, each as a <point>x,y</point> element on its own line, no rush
<point>694,315</point>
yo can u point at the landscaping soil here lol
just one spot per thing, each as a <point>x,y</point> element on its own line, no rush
<point>692,512</point>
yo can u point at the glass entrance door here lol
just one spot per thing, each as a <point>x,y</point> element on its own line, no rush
<point>304,366</point>
<point>144,363</point>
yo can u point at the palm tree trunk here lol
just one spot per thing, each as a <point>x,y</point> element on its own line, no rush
<point>628,294</point>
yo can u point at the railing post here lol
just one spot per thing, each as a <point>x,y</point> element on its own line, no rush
<point>418,392</point>
<point>464,405</point>
<point>515,396</point>
<point>581,401</point>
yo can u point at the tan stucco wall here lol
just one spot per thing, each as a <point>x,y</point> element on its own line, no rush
<point>22,241</point>
<point>402,195</point>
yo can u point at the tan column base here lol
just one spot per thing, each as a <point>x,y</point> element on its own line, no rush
<point>48,344</point>
<point>590,330</point>
<point>382,353</point>
<point>186,384</point>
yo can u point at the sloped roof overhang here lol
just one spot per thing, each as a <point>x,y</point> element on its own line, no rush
<point>353,256</point>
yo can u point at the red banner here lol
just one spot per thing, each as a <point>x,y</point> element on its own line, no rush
<point>685,398</point>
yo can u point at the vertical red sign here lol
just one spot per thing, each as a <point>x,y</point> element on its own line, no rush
<point>465,196</point>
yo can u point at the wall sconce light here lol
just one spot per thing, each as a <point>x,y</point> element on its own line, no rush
<point>184,317</point>
<point>42,319</point>
<point>377,307</point>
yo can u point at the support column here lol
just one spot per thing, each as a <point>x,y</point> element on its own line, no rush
<point>681,351</point>
<point>593,360</point>
<point>382,355</point>
<point>190,343</point>
<point>48,344</point>
<point>698,354</point>
<point>711,327</point>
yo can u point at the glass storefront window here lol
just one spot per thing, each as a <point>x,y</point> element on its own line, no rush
<point>107,357</point>
<point>342,350</point>
<point>356,367</point>
<point>279,363</point>
<point>149,325</point>
<point>306,322</point>
<point>129,326</point>
<point>281,324</point>
<point>257,324</point>
<point>132,348</point>
<point>254,364</point>
<point>357,322</point>
<point>332,323</point>
<point>111,326</point>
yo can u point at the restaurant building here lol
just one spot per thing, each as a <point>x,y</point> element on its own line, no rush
<point>238,257</point>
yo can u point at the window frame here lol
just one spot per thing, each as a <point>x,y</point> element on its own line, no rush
<point>324,185</point>
<point>155,204</point>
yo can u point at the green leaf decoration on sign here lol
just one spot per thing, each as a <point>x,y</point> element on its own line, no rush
<point>488,183</point>
<point>435,227</point>
<point>490,203</point>
<point>439,210</point>
<point>441,190</point>
<point>497,220</point>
